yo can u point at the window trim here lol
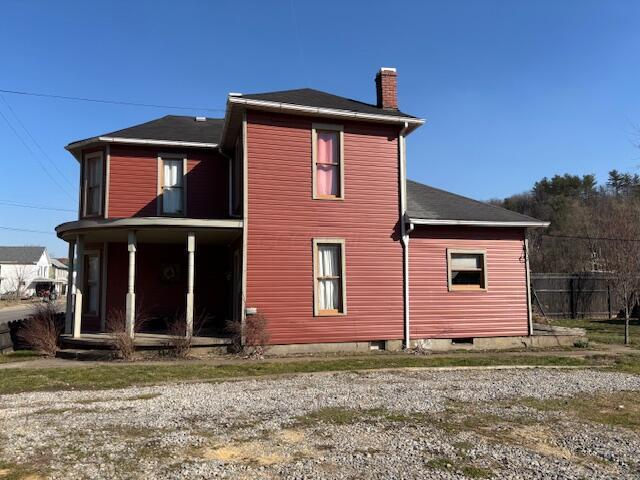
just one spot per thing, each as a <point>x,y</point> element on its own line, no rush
<point>343,277</point>
<point>90,156</point>
<point>467,288</point>
<point>314,154</point>
<point>171,156</point>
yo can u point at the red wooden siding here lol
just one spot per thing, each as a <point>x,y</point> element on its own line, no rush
<point>438,313</point>
<point>133,183</point>
<point>284,219</point>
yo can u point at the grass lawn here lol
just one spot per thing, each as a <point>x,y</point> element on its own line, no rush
<point>16,380</point>
<point>19,356</point>
<point>604,331</point>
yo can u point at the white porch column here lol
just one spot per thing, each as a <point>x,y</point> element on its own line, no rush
<point>131,295</point>
<point>77,309</point>
<point>191,248</point>
<point>68,322</point>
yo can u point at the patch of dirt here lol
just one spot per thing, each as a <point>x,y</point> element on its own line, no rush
<point>250,452</point>
<point>541,440</point>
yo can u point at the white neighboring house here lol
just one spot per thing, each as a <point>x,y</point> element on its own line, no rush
<point>25,270</point>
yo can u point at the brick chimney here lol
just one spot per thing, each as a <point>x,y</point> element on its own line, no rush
<point>387,88</point>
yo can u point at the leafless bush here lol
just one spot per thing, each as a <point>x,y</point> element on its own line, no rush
<point>179,342</point>
<point>41,330</point>
<point>116,325</point>
<point>255,333</point>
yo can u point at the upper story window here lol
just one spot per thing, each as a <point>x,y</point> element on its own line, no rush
<point>172,186</point>
<point>467,269</point>
<point>330,283</point>
<point>328,168</point>
<point>92,184</point>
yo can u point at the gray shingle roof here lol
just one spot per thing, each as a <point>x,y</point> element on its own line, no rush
<point>20,255</point>
<point>58,264</point>
<point>173,128</point>
<point>309,97</point>
<point>429,203</point>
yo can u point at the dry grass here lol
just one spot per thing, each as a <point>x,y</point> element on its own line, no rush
<point>42,329</point>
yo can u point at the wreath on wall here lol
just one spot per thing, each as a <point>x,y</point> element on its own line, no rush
<point>170,273</point>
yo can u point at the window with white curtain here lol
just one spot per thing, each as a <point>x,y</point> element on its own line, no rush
<point>329,277</point>
<point>467,269</point>
<point>172,185</point>
<point>92,183</point>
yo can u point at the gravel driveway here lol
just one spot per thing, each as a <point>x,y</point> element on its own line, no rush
<point>402,424</point>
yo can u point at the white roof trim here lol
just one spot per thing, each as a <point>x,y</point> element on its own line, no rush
<point>324,111</point>
<point>478,223</point>
<point>140,141</point>
<point>146,222</point>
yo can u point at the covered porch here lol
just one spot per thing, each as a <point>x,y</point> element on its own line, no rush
<point>152,277</point>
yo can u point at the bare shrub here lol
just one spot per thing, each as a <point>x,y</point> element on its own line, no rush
<point>42,330</point>
<point>116,325</point>
<point>179,342</point>
<point>255,333</point>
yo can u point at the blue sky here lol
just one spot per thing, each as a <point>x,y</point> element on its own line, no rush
<point>511,90</point>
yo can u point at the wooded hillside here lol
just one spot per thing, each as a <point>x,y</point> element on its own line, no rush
<point>592,225</point>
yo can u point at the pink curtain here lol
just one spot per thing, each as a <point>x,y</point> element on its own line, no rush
<point>327,164</point>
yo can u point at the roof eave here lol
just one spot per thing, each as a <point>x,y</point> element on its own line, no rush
<point>266,105</point>
<point>137,141</point>
<point>480,223</point>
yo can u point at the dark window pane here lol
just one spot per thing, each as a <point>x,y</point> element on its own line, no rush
<point>467,278</point>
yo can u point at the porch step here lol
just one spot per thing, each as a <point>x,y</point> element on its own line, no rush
<point>87,355</point>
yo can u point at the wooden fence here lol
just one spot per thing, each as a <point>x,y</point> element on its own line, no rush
<point>574,295</point>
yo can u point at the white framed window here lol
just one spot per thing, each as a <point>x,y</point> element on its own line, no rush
<point>91,299</point>
<point>92,184</point>
<point>330,295</point>
<point>172,185</point>
<point>328,161</point>
<point>466,270</point>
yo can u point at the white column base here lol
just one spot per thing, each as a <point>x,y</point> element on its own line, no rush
<point>131,314</point>
<point>77,314</point>
<point>189,315</point>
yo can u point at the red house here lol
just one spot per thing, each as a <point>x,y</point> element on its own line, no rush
<point>294,206</point>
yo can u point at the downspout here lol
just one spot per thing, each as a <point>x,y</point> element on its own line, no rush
<point>404,232</point>
<point>528,280</point>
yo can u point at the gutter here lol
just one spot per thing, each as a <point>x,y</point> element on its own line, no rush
<point>480,223</point>
<point>139,141</point>
<point>404,231</point>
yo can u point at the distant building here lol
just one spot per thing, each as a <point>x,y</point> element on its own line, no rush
<point>24,271</point>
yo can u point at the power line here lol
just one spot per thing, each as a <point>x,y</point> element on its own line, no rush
<point>26,230</point>
<point>62,175</point>
<point>10,203</point>
<point>584,237</point>
<point>34,155</point>
<point>112,102</point>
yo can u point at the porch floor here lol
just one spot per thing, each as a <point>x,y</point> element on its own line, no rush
<point>143,341</point>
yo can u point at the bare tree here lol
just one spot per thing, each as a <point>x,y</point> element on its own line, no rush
<point>17,280</point>
<point>618,225</point>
